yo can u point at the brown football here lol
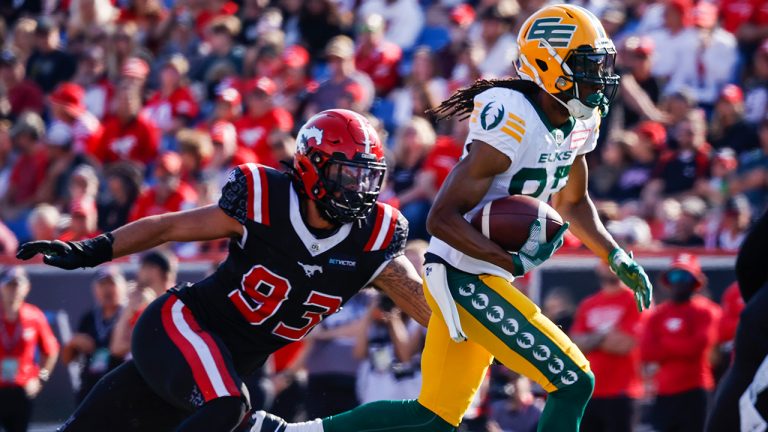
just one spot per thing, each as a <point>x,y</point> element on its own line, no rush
<point>507,221</point>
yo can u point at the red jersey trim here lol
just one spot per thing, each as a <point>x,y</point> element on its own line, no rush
<point>258,196</point>
<point>383,228</point>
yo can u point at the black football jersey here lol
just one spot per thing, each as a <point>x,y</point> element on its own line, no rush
<point>279,280</point>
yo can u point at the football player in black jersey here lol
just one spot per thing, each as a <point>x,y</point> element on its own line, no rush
<point>302,244</point>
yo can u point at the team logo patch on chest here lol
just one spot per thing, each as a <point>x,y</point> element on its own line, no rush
<point>310,269</point>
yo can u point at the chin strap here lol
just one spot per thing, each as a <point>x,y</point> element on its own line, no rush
<point>576,108</point>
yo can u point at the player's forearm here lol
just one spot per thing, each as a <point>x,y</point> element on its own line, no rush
<point>400,281</point>
<point>453,229</point>
<point>200,224</point>
<point>140,235</point>
<point>586,225</point>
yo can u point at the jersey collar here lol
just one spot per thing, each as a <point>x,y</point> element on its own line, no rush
<point>314,245</point>
<point>566,129</point>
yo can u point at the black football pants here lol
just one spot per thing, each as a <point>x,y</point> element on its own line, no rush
<point>181,378</point>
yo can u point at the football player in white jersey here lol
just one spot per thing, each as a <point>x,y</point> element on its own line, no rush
<point>527,136</point>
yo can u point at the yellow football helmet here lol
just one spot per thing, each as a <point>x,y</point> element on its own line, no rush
<point>565,50</point>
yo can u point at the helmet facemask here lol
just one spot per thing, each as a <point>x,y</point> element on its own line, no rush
<point>350,188</point>
<point>591,68</point>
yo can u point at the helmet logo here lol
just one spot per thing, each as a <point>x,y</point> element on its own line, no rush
<point>305,135</point>
<point>549,29</point>
<point>491,123</point>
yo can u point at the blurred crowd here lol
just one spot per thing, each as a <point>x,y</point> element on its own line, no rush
<point>111,110</point>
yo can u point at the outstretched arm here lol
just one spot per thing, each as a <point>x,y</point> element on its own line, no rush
<point>400,281</point>
<point>203,223</point>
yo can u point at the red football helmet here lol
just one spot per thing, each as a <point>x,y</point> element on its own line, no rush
<point>339,163</point>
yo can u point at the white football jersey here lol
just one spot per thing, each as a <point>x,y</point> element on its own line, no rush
<point>541,158</point>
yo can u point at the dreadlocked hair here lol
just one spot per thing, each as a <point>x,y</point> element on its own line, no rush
<point>462,102</point>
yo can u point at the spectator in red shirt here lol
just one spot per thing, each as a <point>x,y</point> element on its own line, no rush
<point>747,19</point>
<point>263,123</point>
<point>84,221</point>
<point>376,56</point>
<point>677,170</point>
<point>128,136</point>
<point>68,107</point>
<point>23,330</point>
<point>229,105</point>
<point>23,94</point>
<point>173,106</point>
<point>679,336</point>
<point>607,328</point>
<point>293,81</point>
<point>169,194</point>
<point>226,153</point>
<point>91,75</point>
<point>445,154</point>
<point>27,174</point>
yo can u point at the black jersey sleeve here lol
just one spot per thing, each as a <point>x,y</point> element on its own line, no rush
<point>234,196</point>
<point>396,246</point>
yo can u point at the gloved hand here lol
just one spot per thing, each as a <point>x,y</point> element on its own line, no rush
<point>633,276</point>
<point>70,255</point>
<point>536,249</point>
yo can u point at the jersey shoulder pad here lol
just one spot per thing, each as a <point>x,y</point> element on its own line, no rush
<point>245,196</point>
<point>389,231</point>
<point>498,118</point>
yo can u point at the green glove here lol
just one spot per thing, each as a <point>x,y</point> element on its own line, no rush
<point>536,249</point>
<point>633,276</point>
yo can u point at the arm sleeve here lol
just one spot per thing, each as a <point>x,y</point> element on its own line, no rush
<point>399,238</point>
<point>492,120</point>
<point>234,196</point>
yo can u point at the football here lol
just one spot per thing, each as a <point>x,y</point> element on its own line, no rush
<point>506,221</point>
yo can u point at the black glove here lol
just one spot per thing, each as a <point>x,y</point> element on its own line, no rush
<point>70,255</point>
